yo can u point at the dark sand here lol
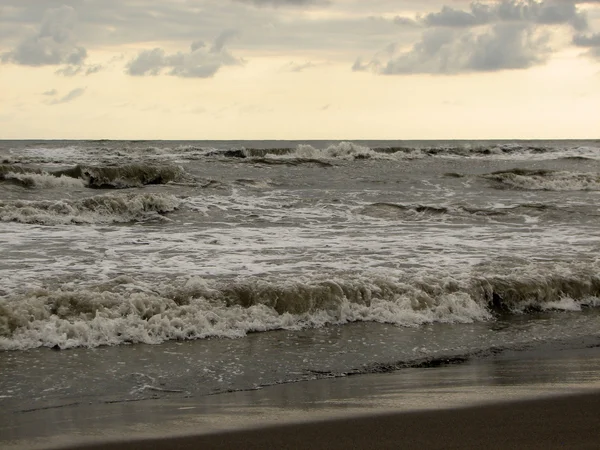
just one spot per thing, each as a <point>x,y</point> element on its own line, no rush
<point>546,397</point>
<point>557,422</point>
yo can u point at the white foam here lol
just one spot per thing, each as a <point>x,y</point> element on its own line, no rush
<point>127,309</point>
<point>122,311</point>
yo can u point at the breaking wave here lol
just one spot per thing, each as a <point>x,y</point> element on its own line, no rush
<point>346,150</point>
<point>305,153</point>
<point>97,209</point>
<point>497,212</point>
<point>547,180</point>
<point>125,310</point>
<point>98,177</point>
<point>125,176</point>
<point>43,180</point>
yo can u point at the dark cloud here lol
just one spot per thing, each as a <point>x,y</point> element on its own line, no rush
<point>582,40</point>
<point>112,23</point>
<point>450,17</point>
<point>52,44</point>
<point>592,42</point>
<point>490,36</point>
<point>447,51</point>
<point>50,93</point>
<point>284,2</point>
<point>548,12</point>
<point>72,95</point>
<point>199,62</point>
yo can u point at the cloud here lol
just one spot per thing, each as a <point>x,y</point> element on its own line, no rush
<point>72,95</point>
<point>587,40</point>
<point>199,62</point>
<point>50,93</point>
<point>548,12</point>
<point>72,70</point>
<point>486,37</point>
<point>406,21</point>
<point>446,51</point>
<point>296,67</point>
<point>52,44</point>
<point>592,42</point>
<point>284,2</point>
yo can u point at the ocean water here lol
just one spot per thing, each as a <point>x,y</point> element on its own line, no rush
<point>163,268</point>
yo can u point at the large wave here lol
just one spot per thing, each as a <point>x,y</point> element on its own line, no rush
<point>126,310</point>
<point>548,180</point>
<point>519,212</point>
<point>98,209</point>
<point>345,150</point>
<point>98,177</point>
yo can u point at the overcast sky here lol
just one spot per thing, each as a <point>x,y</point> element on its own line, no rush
<point>299,69</point>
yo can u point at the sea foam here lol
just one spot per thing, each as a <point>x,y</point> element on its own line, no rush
<point>126,310</point>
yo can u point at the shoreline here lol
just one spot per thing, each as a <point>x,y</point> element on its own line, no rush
<point>531,398</point>
<point>555,422</point>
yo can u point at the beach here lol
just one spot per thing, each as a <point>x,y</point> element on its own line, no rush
<point>535,424</point>
<point>544,397</point>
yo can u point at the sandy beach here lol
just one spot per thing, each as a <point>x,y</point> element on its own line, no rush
<point>558,422</point>
<point>544,397</point>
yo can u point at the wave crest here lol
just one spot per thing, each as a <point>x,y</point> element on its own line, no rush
<point>547,180</point>
<point>124,176</point>
<point>97,209</point>
<point>125,310</point>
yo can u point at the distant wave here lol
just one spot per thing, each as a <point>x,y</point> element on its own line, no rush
<point>97,177</point>
<point>548,180</point>
<point>124,310</point>
<point>98,209</point>
<point>124,176</point>
<point>106,152</point>
<point>304,153</point>
<point>500,213</point>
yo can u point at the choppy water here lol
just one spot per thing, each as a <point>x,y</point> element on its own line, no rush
<point>115,242</point>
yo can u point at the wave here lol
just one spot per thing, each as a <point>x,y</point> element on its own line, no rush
<point>346,150</point>
<point>548,180</point>
<point>498,212</point>
<point>125,310</point>
<point>304,154</point>
<point>124,176</point>
<point>43,180</point>
<point>98,177</point>
<point>93,210</point>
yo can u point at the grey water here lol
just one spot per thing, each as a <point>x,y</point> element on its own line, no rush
<point>134,270</point>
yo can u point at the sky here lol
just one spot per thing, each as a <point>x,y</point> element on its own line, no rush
<point>299,69</point>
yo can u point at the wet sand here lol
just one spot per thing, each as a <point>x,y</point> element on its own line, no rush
<point>557,422</point>
<point>546,397</point>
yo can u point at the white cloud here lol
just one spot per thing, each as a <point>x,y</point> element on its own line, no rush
<point>199,62</point>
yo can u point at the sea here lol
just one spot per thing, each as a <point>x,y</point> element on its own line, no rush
<point>137,270</point>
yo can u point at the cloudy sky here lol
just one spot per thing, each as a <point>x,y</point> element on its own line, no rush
<point>299,69</point>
